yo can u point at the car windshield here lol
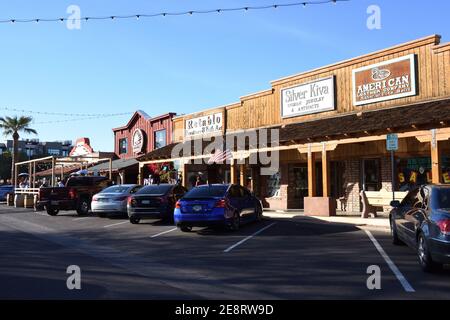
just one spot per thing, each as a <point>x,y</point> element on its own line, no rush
<point>116,189</point>
<point>443,198</point>
<point>205,192</point>
<point>156,189</point>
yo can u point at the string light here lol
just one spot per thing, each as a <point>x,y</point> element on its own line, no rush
<point>74,119</point>
<point>190,12</point>
<point>65,114</point>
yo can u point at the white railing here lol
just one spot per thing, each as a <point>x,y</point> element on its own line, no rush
<point>26,190</point>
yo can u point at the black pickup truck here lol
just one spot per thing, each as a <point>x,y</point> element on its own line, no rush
<point>76,195</point>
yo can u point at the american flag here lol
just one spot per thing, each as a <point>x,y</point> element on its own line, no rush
<point>220,156</point>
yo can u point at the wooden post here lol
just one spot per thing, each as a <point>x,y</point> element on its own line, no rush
<point>30,174</point>
<point>110,169</point>
<point>242,175</point>
<point>53,171</point>
<point>325,172</point>
<point>185,180</point>
<point>34,174</point>
<point>140,173</point>
<point>252,180</point>
<point>15,176</point>
<point>233,172</point>
<point>311,173</point>
<point>435,158</point>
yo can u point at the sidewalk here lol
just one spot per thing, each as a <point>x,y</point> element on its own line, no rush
<point>380,222</point>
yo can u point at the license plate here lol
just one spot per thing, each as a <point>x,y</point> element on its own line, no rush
<point>197,208</point>
<point>145,201</point>
<point>54,203</point>
<point>103,200</point>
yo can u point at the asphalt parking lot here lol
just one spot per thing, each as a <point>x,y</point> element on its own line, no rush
<point>278,258</point>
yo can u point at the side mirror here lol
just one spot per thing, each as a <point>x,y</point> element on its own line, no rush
<point>395,203</point>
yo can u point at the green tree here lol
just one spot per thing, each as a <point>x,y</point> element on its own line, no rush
<point>11,126</point>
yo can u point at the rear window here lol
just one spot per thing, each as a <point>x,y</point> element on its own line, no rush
<point>155,189</point>
<point>443,198</point>
<point>116,189</point>
<point>206,192</point>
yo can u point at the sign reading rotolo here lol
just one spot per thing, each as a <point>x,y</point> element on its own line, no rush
<point>212,123</point>
<point>138,141</point>
<point>385,81</point>
<point>312,97</point>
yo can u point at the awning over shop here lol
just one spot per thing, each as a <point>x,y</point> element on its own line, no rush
<point>116,165</point>
<point>422,116</point>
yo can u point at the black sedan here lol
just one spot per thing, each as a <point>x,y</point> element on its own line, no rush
<point>154,202</point>
<point>422,221</point>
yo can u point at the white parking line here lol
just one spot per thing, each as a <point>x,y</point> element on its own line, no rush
<point>115,224</point>
<point>391,264</point>
<point>248,238</point>
<point>77,219</point>
<point>164,232</point>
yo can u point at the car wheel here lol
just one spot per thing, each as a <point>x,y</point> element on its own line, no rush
<point>134,220</point>
<point>236,222</point>
<point>426,262</point>
<point>395,239</point>
<point>186,229</point>
<point>52,211</point>
<point>83,207</point>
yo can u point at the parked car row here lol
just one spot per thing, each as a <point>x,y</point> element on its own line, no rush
<point>224,205</point>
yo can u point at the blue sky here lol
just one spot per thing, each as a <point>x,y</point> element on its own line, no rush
<point>181,64</point>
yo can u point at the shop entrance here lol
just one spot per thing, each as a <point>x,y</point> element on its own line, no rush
<point>371,177</point>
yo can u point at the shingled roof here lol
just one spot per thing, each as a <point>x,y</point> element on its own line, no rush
<point>421,116</point>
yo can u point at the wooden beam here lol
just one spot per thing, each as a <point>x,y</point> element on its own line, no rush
<point>233,175</point>
<point>435,158</point>
<point>325,173</point>
<point>311,174</point>
<point>242,175</point>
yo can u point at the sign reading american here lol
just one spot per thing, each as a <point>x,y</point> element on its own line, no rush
<point>386,80</point>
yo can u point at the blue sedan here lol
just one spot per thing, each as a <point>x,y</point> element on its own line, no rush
<point>217,205</point>
<point>4,190</point>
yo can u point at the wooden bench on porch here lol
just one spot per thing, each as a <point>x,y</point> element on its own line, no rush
<point>372,200</point>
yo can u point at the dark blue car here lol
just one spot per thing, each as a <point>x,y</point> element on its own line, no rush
<point>4,190</point>
<point>217,205</point>
<point>422,221</point>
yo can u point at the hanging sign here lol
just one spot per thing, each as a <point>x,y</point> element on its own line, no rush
<point>312,97</point>
<point>212,123</point>
<point>386,80</point>
<point>138,141</point>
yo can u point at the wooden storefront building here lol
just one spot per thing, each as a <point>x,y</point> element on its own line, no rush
<point>142,134</point>
<point>332,124</point>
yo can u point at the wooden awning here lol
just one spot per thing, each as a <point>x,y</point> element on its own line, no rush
<point>422,116</point>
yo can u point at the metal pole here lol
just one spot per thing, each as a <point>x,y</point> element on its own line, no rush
<point>393,174</point>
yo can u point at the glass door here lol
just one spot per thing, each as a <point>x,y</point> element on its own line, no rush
<point>371,178</point>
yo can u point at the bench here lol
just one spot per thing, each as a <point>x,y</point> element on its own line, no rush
<point>372,200</point>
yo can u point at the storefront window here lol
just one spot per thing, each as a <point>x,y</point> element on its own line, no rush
<point>123,146</point>
<point>160,139</point>
<point>371,175</point>
<point>300,182</point>
<point>274,185</point>
<point>446,170</point>
<point>412,172</point>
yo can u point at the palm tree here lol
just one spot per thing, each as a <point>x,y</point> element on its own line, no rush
<point>12,126</point>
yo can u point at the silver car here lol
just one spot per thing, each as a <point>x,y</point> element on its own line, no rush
<point>113,199</point>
